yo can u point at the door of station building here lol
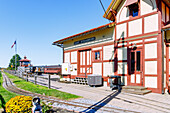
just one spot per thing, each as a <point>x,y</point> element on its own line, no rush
<point>85,62</point>
<point>136,67</point>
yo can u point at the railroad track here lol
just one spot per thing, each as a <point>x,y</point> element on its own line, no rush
<point>84,107</point>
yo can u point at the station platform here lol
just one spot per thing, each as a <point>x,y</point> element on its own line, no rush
<point>149,103</point>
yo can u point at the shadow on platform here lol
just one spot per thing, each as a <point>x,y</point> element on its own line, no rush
<point>101,103</point>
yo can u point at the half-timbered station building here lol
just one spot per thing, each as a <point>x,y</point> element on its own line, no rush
<point>134,46</point>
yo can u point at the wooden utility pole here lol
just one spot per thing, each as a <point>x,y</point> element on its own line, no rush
<point>49,85</point>
<point>35,79</point>
<point>27,77</point>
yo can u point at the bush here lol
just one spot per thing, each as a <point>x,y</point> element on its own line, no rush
<point>19,104</point>
<point>45,107</point>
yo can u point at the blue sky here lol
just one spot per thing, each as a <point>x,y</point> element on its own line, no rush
<point>37,23</point>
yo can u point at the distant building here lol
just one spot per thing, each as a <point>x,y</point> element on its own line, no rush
<point>25,62</point>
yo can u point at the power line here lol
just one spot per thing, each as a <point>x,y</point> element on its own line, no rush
<point>102,5</point>
<point>103,8</point>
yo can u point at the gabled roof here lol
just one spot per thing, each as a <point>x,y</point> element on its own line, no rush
<point>24,60</point>
<point>59,42</point>
<point>112,9</point>
<point>130,2</point>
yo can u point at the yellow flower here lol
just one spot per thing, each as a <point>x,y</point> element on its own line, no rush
<point>21,104</point>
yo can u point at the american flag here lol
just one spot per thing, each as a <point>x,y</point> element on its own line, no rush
<point>13,44</point>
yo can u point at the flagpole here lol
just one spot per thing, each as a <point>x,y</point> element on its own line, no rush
<point>15,56</point>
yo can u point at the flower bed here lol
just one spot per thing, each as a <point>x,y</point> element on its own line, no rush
<point>19,104</point>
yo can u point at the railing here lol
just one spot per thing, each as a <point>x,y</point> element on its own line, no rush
<point>86,71</point>
<point>25,76</point>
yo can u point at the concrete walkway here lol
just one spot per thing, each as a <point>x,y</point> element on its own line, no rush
<point>149,103</point>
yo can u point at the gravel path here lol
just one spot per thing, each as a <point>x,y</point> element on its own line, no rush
<point>86,101</point>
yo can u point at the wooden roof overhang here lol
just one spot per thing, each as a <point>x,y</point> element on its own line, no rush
<point>167,2</point>
<point>110,13</point>
<point>24,60</point>
<point>61,41</point>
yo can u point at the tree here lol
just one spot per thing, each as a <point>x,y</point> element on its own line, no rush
<point>12,62</point>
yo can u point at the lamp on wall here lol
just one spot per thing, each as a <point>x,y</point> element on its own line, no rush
<point>134,46</point>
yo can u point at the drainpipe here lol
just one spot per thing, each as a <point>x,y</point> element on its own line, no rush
<point>63,54</point>
<point>163,33</point>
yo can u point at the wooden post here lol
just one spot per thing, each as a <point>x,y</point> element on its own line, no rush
<point>35,79</point>
<point>22,75</point>
<point>163,34</point>
<point>27,77</point>
<point>49,81</point>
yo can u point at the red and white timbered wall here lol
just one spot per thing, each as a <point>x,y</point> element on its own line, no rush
<point>131,49</point>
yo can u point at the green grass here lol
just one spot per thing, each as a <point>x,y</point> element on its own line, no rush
<point>40,89</point>
<point>5,95</point>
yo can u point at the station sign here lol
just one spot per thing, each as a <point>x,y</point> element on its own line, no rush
<point>85,40</point>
